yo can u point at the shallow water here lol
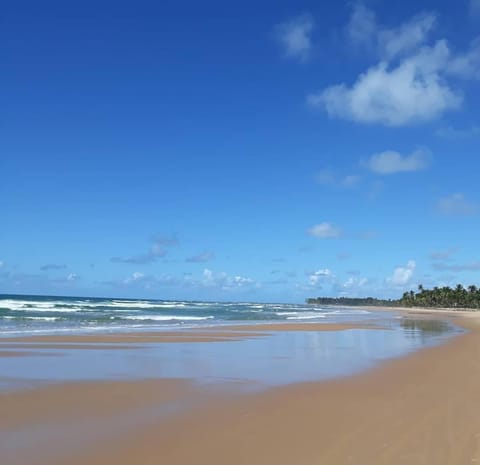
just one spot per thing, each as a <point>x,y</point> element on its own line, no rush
<point>275,359</point>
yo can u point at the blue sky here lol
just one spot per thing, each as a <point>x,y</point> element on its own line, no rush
<point>253,151</point>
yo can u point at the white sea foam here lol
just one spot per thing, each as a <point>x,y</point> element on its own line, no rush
<point>117,304</point>
<point>169,305</point>
<point>350,312</point>
<point>306,317</point>
<point>143,304</point>
<point>301,311</point>
<point>43,318</point>
<point>79,306</point>
<point>25,304</point>
<point>36,307</point>
<point>167,317</point>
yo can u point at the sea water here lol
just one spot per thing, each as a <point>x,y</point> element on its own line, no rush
<point>30,315</point>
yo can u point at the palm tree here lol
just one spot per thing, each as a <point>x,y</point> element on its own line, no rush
<point>459,295</point>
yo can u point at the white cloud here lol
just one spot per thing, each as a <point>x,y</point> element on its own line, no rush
<point>241,281</point>
<point>467,65</point>
<point>413,91</point>
<point>354,283</point>
<point>315,278</point>
<point>226,282</point>
<point>406,37</point>
<point>353,286</point>
<point>328,178</point>
<point>207,276</point>
<point>456,205</point>
<point>402,274</point>
<point>147,281</point>
<point>390,162</point>
<point>324,231</point>
<point>73,277</point>
<point>362,27</point>
<point>410,82</point>
<point>295,36</point>
<point>137,277</point>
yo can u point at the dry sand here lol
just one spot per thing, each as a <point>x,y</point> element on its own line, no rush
<point>423,409</point>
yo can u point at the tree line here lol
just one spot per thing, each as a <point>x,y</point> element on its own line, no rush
<point>352,301</point>
<point>445,297</point>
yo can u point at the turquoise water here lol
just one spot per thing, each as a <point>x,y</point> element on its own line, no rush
<point>43,314</point>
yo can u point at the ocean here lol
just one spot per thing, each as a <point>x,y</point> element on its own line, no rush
<point>28,315</point>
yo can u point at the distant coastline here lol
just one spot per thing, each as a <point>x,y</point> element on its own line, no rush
<point>444,298</point>
<point>353,302</point>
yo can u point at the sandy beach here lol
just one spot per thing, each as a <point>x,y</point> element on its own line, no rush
<point>419,409</point>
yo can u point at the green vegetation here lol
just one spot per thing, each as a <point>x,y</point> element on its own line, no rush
<point>444,297</point>
<point>353,301</point>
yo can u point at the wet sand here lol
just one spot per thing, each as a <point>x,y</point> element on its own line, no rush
<point>131,338</point>
<point>420,409</point>
<point>83,400</point>
<point>223,333</point>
